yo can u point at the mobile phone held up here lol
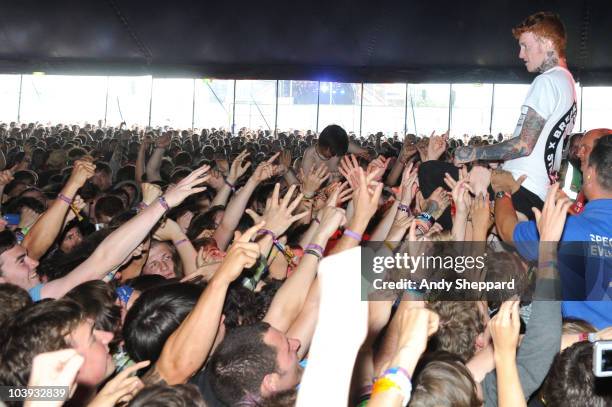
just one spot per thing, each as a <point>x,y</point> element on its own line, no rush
<point>12,219</point>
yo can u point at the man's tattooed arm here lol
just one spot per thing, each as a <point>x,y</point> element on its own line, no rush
<point>153,377</point>
<point>516,147</point>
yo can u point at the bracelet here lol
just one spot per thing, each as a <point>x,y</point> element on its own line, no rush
<point>232,187</point>
<point>316,247</point>
<point>65,199</point>
<point>426,217</point>
<point>354,235</point>
<point>404,208</point>
<point>314,253</point>
<point>142,206</point>
<point>162,201</point>
<point>180,242</point>
<point>268,232</point>
<point>423,227</point>
<point>389,245</point>
<point>501,194</point>
<point>395,379</point>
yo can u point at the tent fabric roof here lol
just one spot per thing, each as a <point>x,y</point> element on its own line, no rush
<point>342,40</point>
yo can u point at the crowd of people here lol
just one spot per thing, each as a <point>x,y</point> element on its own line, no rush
<point>152,267</point>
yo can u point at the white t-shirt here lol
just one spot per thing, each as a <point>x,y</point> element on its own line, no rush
<point>553,96</point>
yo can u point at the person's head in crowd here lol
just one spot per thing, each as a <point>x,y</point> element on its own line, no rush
<point>573,148</point>
<point>103,177</point>
<point>178,174</point>
<point>155,315</point>
<point>162,395</point>
<point>130,188</point>
<point>577,326</point>
<point>254,362</point>
<point>49,326</point>
<point>182,159</point>
<point>541,36</point>
<point>462,329</point>
<point>586,144</point>
<point>36,193</point>
<point>28,177</point>
<point>445,383</point>
<point>571,382</point>
<point>12,299</point>
<point>205,224</point>
<point>333,141</point>
<point>70,237</point>
<point>126,173</point>
<point>163,260</point>
<point>75,153</point>
<point>107,207</point>
<point>16,267</point>
<point>98,301</point>
<point>39,158</point>
<point>597,175</point>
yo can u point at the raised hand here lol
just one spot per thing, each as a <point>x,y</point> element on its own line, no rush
<point>461,196</point>
<point>338,193</point>
<point>366,196</point>
<point>215,180</point>
<point>122,388</point>
<point>504,181</point>
<point>437,146</point>
<point>163,141</point>
<point>378,167</point>
<point>81,172</point>
<point>168,230</point>
<point>188,186</point>
<point>6,176</point>
<point>349,168</point>
<point>57,368</point>
<point>437,202</point>
<point>285,159</point>
<point>314,179</point>
<point>409,184</point>
<point>551,220</point>
<point>408,150</point>
<point>242,253</point>
<point>505,327</point>
<point>479,179</point>
<point>330,219</point>
<point>238,169</point>
<point>482,219</point>
<point>278,213</point>
<point>150,192</point>
<point>266,170</point>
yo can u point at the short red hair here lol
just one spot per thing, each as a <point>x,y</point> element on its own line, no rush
<point>546,25</point>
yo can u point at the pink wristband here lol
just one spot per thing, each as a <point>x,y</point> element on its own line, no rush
<point>65,199</point>
<point>315,247</point>
<point>352,234</point>
<point>162,202</point>
<point>180,242</point>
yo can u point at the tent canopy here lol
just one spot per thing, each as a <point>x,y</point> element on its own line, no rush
<point>340,40</point>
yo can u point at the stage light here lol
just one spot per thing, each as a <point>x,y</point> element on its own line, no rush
<point>38,73</point>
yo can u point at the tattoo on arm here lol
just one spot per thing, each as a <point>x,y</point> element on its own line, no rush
<point>516,147</point>
<point>153,377</point>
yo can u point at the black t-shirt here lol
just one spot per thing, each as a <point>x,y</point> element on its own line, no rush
<point>201,380</point>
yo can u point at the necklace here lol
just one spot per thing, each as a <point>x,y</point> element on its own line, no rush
<point>319,154</point>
